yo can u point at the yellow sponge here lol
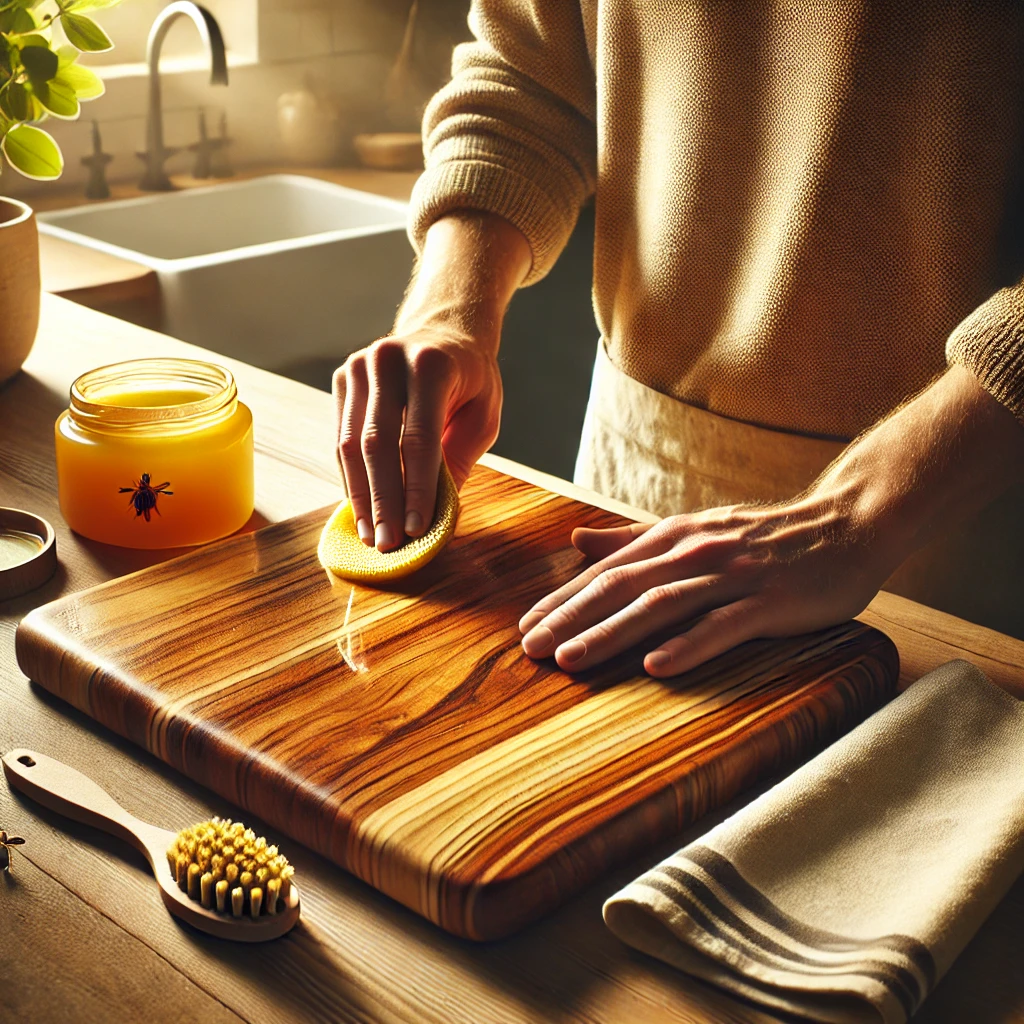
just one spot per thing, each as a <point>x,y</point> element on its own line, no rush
<point>343,553</point>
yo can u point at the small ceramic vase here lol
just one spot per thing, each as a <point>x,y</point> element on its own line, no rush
<point>19,285</point>
<point>310,128</point>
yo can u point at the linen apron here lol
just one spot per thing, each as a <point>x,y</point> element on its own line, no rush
<point>662,455</point>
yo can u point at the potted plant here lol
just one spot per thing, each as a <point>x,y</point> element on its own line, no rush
<point>38,80</point>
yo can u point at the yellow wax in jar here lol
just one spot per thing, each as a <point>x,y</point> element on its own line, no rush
<point>155,398</point>
<point>161,487</point>
<point>17,547</point>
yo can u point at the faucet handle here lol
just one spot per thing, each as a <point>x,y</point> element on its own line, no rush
<point>155,179</point>
<point>96,162</point>
<point>204,150</point>
<point>221,163</point>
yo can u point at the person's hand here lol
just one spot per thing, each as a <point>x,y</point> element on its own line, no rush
<point>721,577</point>
<point>432,386</point>
<point>401,403</point>
<point>746,571</point>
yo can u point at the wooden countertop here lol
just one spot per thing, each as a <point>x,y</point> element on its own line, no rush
<point>83,933</point>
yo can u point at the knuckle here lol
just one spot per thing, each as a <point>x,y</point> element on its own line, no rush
<point>418,498</point>
<point>708,548</point>
<point>373,444</point>
<point>351,447</point>
<point>615,580</point>
<point>431,361</point>
<point>657,598</point>
<point>386,351</point>
<point>355,363</point>
<point>418,442</point>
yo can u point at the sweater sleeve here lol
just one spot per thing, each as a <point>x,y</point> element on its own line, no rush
<point>990,343</point>
<point>513,133</point>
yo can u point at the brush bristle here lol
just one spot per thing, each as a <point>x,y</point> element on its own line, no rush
<point>224,865</point>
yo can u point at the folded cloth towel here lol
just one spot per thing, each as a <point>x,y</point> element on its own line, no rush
<point>845,892</point>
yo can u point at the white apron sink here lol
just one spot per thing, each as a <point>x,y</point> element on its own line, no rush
<point>276,271</point>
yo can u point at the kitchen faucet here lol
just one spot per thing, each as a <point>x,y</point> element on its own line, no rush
<point>155,178</point>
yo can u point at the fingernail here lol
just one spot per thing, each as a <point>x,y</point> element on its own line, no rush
<point>571,652</point>
<point>365,533</point>
<point>413,524</point>
<point>529,620</point>
<point>658,660</point>
<point>538,642</point>
<point>383,538</point>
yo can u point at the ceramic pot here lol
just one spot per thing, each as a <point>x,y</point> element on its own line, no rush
<point>19,285</point>
<point>310,128</point>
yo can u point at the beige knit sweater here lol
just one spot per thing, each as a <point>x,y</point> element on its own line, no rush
<point>797,202</point>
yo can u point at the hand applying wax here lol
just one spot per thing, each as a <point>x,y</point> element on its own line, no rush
<point>727,575</point>
<point>433,384</point>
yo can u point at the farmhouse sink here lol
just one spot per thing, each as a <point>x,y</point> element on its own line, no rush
<point>276,271</point>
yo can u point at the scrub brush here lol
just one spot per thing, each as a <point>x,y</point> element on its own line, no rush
<point>224,864</point>
<point>218,875</point>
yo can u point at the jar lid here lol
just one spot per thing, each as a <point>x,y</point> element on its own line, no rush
<point>28,552</point>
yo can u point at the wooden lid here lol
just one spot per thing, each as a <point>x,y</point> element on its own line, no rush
<point>37,568</point>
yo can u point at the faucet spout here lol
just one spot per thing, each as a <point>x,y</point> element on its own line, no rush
<point>155,178</point>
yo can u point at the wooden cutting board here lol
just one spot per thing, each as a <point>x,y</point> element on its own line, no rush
<point>403,734</point>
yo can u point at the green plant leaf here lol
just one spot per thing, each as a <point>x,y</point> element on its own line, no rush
<point>58,98</point>
<point>18,103</point>
<point>85,83</point>
<point>85,33</point>
<point>40,63</point>
<point>84,6</point>
<point>66,55</point>
<point>33,152</point>
<point>16,20</point>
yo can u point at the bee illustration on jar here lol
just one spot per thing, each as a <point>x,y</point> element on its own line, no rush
<point>7,844</point>
<point>144,496</point>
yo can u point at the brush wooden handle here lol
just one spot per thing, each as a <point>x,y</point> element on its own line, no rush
<point>66,791</point>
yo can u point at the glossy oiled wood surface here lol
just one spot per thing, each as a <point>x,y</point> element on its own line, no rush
<point>86,937</point>
<point>402,733</point>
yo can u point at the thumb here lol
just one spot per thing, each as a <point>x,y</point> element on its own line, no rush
<point>598,544</point>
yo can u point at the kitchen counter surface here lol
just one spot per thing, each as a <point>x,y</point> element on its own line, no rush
<point>83,934</point>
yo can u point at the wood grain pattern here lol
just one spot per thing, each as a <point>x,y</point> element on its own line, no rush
<point>110,968</point>
<point>402,733</point>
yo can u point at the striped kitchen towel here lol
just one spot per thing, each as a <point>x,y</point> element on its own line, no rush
<point>845,892</point>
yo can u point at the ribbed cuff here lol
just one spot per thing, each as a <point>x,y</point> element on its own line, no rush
<point>492,188</point>
<point>990,343</point>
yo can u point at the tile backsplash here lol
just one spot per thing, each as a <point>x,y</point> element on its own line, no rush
<point>342,48</point>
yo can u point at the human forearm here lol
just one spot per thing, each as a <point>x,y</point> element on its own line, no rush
<point>942,456</point>
<point>471,265</point>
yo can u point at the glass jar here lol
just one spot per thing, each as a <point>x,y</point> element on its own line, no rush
<point>155,453</point>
